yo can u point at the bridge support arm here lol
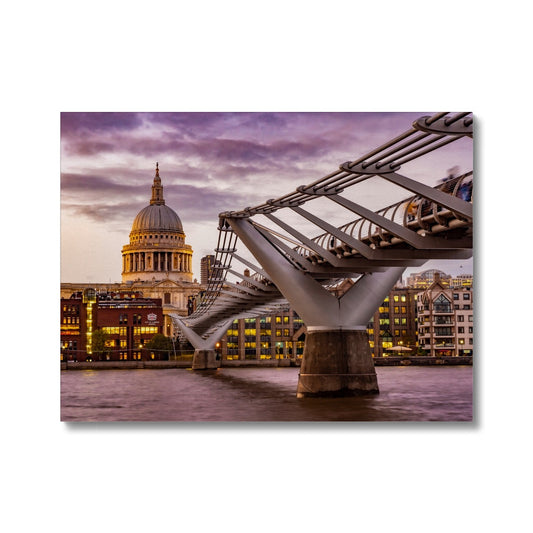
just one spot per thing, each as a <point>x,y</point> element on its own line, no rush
<point>337,360</point>
<point>204,349</point>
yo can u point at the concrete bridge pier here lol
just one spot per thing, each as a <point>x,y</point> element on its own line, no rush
<point>337,363</point>
<point>204,360</point>
<point>337,360</point>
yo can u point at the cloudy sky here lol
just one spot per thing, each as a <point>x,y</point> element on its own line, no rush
<point>209,163</point>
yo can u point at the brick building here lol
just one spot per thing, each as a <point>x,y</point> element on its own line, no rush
<point>127,320</point>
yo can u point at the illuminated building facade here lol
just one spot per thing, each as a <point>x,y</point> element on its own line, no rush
<point>277,336</point>
<point>127,320</point>
<point>446,320</point>
<point>394,324</point>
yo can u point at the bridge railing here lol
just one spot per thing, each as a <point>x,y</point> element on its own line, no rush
<point>415,213</point>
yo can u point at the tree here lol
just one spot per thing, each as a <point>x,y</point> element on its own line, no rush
<point>99,343</point>
<point>161,345</point>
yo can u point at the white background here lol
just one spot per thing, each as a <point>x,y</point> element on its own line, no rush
<point>275,56</point>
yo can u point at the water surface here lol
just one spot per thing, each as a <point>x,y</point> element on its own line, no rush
<point>260,394</point>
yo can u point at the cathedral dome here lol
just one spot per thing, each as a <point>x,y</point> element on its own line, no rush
<point>157,249</point>
<point>156,218</point>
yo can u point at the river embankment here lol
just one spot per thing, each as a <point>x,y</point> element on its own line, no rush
<point>261,363</point>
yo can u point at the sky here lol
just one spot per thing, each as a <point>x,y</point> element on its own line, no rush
<point>210,163</point>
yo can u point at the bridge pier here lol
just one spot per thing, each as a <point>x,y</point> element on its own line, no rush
<point>336,363</point>
<point>204,360</point>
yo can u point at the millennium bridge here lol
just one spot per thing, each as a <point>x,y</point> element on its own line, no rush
<point>299,255</point>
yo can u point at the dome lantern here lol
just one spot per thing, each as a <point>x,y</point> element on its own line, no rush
<point>157,189</point>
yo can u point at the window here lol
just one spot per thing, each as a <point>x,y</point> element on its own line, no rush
<point>460,329</point>
<point>460,318</point>
<point>123,319</point>
<point>466,296</point>
<point>166,298</point>
<point>456,296</point>
<point>442,305</point>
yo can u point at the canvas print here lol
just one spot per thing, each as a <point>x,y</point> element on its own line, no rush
<point>267,267</point>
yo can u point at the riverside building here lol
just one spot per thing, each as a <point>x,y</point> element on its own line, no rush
<point>126,319</point>
<point>446,320</point>
<point>277,336</point>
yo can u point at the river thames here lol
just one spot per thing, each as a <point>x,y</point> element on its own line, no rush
<point>260,395</point>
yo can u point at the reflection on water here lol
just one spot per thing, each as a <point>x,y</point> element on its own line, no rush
<point>260,394</point>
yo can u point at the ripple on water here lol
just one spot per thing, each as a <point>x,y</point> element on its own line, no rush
<point>261,394</point>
